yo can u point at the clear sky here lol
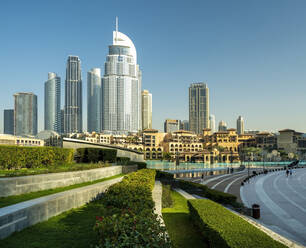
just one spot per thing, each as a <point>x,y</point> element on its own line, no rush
<point>252,54</point>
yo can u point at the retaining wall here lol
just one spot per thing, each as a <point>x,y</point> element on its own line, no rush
<point>19,216</point>
<point>21,185</point>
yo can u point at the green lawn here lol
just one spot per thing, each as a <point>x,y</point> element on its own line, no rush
<point>181,230</point>
<point>72,229</point>
<point>52,169</point>
<point>10,200</point>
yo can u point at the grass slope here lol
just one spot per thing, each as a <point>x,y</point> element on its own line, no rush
<point>10,200</point>
<point>73,228</point>
<point>181,230</point>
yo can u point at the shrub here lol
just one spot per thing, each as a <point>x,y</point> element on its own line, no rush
<point>122,160</point>
<point>127,218</point>
<point>164,175</point>
<point>203,190</point>
<point>94,155</point>
<point>222,228</point>
<point>17,157</point>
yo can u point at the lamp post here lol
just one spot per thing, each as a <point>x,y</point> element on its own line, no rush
<point>231,160</point>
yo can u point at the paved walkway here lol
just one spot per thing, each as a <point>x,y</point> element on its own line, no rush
<point>157,198</point>
<point>282,201</point>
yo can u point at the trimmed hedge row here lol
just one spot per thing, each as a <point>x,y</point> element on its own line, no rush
<point>127,218</point>
<point>17,157</point>
<point>94,155</point>
<point>203,190</point>
<point>223,228</point>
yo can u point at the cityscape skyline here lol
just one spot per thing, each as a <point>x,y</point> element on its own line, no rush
<point>263,111</point>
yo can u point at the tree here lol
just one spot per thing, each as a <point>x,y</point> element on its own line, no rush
<point>167,156</point>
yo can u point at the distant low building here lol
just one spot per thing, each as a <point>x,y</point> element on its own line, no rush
<point>6,139</point>
<point>291,141</point>
<point>171,126</point>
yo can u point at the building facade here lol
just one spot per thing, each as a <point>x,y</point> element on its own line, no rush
<point>73,96</point>
<point>121,87</point>
<point>240,125</point>
<point>222,126</point>
<point>25,114</point>
<point>6,139</point>
<point>184,125</point>
<point>212,123</point>
<point>8,121</point>
<point>53,103</point>
<point>171,126</point>
<point>146,99</point>
<point>94,100</point>
<point>198,107</point>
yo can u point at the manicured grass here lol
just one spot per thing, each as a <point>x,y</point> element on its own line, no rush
<point>73,228</point>
<point>10,200</point>
<point>181,230</point>
<point>52,169</point>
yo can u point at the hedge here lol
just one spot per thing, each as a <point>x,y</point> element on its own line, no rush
<point>94,155</point>
<point>223,229</point>
<point>126,216</point>
<point>17,157</point>
<point>203,190</point>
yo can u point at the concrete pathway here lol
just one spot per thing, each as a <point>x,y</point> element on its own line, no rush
<point>157,198</point>
<point>282,202</point>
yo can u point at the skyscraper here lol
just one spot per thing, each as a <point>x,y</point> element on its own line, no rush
<point>222,126</point>
<point>53,103</point>
<point>171,126</point>
<point>94,103</point>
<point>8,121</point>
<point>240,125</point>
<point>73,96</point>
<point>146,102</point>
<point>121,87</point>
<point>212,123</point>
<point>184,125</point>
<point>25,114</point>
<point>198,107</point>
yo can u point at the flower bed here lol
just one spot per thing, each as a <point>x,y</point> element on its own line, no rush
<point>223,228</point>
<point>127,218</point>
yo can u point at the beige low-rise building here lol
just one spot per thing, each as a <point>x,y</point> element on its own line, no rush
<point>291,141</point>
<point>6,139</point>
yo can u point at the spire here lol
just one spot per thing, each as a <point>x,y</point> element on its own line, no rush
<point>116,27</point>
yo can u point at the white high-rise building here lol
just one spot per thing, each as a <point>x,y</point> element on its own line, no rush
<point>94,103</point>
<point>146,97</point>
<point>212,123</point>
<point>53,103</point>
<point>240,125</point>
<point>121,87</point>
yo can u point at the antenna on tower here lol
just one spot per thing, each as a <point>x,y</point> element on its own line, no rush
<point>116,27</point>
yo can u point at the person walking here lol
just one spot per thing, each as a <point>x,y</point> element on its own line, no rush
<point>290,171</point>
<point>202,178</point>
<point>287,172</point>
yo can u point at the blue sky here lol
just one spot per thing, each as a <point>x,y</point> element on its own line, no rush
<point>252,54</point>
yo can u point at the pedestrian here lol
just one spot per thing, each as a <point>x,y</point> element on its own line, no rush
<point>287,172</point>
<point>202,178</point>
<point>290,171</point>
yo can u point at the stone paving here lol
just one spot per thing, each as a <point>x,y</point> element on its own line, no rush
<point>282,202</point>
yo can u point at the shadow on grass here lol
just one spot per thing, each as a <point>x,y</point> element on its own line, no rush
<point>73,228</point>
<point>182,231</point>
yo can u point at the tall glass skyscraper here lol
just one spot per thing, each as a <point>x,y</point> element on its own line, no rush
<point>8,121</point>
<point>73,96</point>
<point>121,87</point>
<point>94,103</point>
<point>240,125</point>
<point>53,103</point>
<point>198,107</point>
<point>212,123</point>
<point>146,98</point>
<point>25,114</point>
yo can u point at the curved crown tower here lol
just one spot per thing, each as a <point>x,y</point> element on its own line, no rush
<point>121,87</point>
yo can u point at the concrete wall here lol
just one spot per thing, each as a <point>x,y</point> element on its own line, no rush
<point>26,184</point>
<point>19,216</point>
<point>121,152</point>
